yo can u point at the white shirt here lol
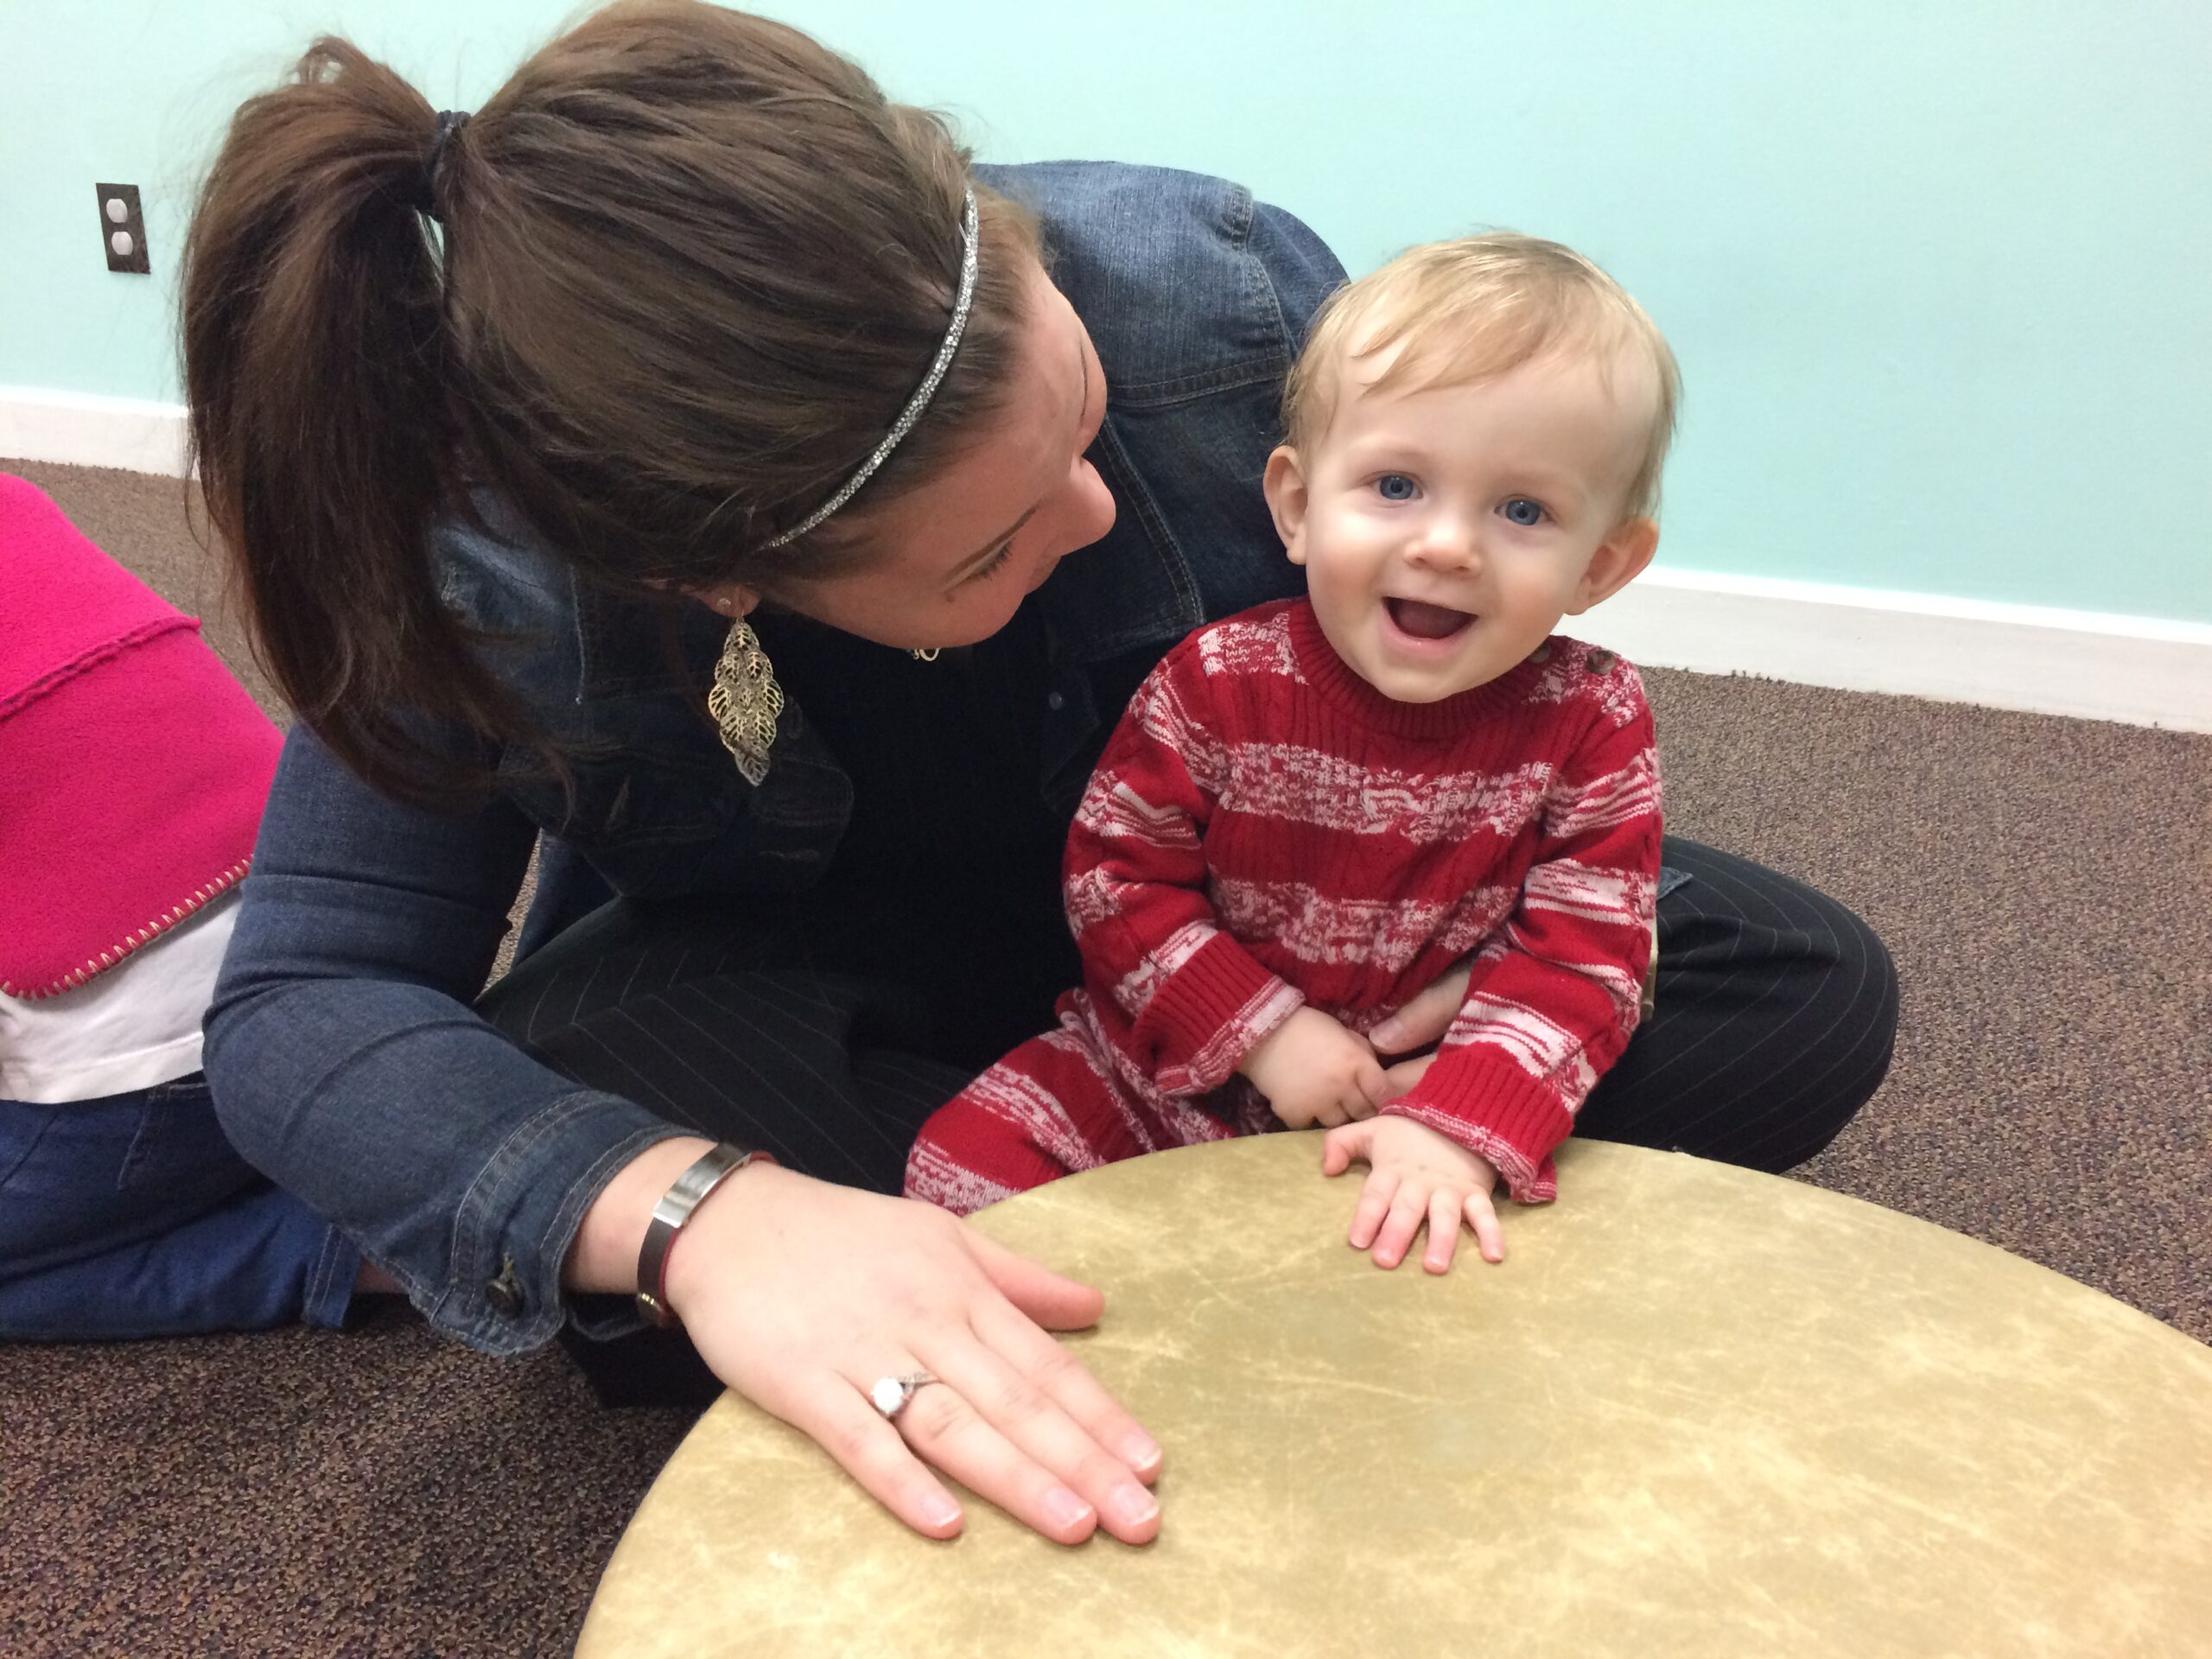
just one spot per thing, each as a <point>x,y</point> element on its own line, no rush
<point>131,1027</point>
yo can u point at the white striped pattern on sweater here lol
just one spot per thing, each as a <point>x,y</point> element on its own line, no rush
<point>1315,927</point>
<point>1121,812</point>
<point>1602,803</point>
<point>1239,648</point>
<point>1160,714</point>
<point>1135,988</point>
<point>1622,897</point>
<point>1292,783</point>
<point>1539,1045</point>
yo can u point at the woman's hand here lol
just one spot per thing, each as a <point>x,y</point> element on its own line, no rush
<point>1416,1029</point>
<point>1425,1017</point>
<point>801,1295</point>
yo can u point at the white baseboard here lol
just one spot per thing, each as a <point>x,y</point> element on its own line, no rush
<point>2090,665</point>
<point>2041,660</point>
<point>80,431</point>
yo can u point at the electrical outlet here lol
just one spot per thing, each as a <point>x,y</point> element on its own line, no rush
<point>123,228</point>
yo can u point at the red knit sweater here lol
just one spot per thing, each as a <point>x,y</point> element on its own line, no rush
<point>1266,829</point>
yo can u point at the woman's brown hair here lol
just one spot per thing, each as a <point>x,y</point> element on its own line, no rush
<point>692,266</point>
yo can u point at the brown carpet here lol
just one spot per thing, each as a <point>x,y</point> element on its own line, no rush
<point>2046,887</point>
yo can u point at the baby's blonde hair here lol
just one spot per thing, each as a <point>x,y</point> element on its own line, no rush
<point>1473,308</point>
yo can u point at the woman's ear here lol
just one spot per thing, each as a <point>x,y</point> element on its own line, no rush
<point>1619,560</point>
<point>1285,485</point>
<point>732,599</point>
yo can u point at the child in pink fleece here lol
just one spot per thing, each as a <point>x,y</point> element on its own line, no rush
<point>132,772</point>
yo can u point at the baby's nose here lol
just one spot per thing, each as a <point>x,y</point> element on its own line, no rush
<point>1446,544</point>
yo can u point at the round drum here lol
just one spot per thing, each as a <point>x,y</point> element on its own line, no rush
<point>1697,1411</point>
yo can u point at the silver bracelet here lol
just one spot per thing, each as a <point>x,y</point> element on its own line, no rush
<point>713,1168</point>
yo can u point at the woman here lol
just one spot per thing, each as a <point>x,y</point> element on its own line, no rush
<point>723,368</point>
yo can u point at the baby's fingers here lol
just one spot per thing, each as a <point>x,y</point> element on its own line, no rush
<point>1482,1215</point>
<point>1409,1209</point>
<point>1373,1209</point>
<point>1342,1148</point>
<point>1444,1209</point>
<point>1332,1114</point>
<point>1373,1088</point>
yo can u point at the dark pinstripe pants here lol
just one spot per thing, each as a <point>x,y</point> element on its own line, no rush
<point>826,1032</point>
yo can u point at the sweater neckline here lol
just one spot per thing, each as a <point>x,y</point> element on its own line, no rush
<point>1342,685</point>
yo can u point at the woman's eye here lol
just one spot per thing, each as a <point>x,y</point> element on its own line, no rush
<point>1523,511</point>
<point>990,567</point>
<point>1395,487</point>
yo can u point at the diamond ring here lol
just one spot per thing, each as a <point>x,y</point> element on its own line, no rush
<point>891,1394</point>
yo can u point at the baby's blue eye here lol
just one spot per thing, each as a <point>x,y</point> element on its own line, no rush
<point>1523,511</point>
<point>1395,487</point>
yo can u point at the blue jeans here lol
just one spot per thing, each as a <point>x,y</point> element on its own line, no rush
<point>133,1217</point>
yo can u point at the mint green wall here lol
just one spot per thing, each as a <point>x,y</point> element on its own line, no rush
<point>1940,275</point>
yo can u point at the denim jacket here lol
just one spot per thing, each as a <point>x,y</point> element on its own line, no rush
<point>345,1059</point>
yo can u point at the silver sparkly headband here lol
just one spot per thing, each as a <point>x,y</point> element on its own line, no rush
<point>927,390</point>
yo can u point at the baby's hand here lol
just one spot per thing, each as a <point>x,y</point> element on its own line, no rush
<point>1414,1174</point>
<point>1312,1070</point>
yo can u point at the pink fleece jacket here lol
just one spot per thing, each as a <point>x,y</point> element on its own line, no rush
<point>133,766</point>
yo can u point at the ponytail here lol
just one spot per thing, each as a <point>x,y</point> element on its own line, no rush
<point>316,367</point>
<point>694,266</point>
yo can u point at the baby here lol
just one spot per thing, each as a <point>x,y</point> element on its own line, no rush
<point>1312,810</point>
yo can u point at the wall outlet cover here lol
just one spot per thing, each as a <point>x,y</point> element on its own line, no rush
<point>131,224</point>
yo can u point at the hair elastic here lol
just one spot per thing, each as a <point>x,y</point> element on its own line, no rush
<point>449,123</point>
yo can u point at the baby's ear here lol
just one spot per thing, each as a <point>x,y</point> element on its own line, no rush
<point>1285,485</point>
<point>1619,560</point>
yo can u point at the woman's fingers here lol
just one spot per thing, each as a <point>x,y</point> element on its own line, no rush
<point>804,1296</point>
<point>1055,1302</point>
<point>1063,1377</point>
<point>1425,1018</point>
<point>1032,1422</point>
<point>872,1451</point>
<point>1489,1235</point>
<point>946,1431</point>
<point>1399,1080</point>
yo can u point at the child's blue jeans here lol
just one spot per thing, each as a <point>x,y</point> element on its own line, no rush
<point>133,1217</point>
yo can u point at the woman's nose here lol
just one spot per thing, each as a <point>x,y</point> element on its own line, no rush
<point>1096,511</point>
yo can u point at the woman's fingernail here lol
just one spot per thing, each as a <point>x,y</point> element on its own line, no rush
<point>1132,1506</point>
<point>939,1511</point>
<point>1064,1509</point>
<point>1140,1452</point>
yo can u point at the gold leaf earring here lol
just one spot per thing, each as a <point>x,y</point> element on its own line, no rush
<point>746,701</point>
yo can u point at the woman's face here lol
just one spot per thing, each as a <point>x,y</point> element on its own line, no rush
<point>959,554</point>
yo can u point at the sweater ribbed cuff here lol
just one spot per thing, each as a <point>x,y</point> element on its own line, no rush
<point>1497,1112</point>
<point>1210,1012</point>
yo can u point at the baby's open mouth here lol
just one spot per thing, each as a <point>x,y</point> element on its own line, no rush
<point>1426,622</point>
